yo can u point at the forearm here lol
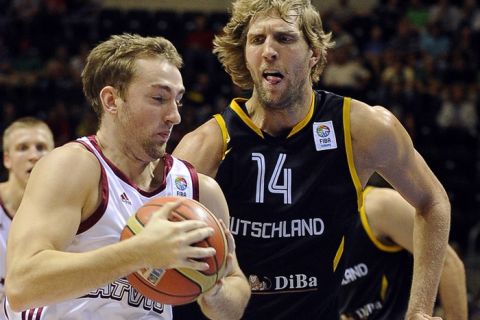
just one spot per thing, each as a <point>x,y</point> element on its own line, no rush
<point>431,229</point>
<point>60,276</point>
<point>453,291</point>
<point>229,302</point>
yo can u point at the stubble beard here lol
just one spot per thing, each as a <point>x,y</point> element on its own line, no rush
<point>284,100</point>
<point>154,150</point>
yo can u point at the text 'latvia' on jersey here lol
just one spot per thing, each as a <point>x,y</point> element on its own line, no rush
<point>292,200</point>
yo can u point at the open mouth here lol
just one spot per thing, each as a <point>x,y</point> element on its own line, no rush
<point>272,77</point>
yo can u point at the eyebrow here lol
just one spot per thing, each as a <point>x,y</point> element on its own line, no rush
<point>167,88</point>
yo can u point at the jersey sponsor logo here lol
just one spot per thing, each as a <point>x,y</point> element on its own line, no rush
<point>324,135</point>
<point>121,290</point>
<point>278,229</point>
<point>125,199</point>
<point>277,283</point>
<point>354,273</point>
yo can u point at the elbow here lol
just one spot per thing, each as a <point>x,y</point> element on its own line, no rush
<point>16,295</point>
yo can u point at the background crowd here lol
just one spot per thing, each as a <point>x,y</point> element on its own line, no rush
<point>418,58</point>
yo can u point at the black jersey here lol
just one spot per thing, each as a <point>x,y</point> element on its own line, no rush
<point>377,279</point>
<point>293,201</point>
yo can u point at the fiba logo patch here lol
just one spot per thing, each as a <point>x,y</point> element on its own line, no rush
<point>181,185</point>
<point>323,131</point>
<point>324,136</point>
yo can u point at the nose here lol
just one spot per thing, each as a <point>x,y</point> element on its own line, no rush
<point>269,51</point>
<point>173,116</point>
<point>35,154</point>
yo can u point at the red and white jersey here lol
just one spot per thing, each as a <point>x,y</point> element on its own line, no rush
<point>120,198</point>
<point>5,221</point>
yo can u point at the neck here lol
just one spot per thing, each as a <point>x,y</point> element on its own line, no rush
<point>11,193</point>
<point>278,121</point>
<point>146,174</point>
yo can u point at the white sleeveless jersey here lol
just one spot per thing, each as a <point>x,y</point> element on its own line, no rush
<point>120,199</point>
<point>5,222</point>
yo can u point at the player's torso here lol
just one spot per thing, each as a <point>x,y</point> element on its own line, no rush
<point>292,201</point>
<point>377,280</point>
<point>120,199</point>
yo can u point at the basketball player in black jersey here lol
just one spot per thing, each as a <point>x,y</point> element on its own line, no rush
<point>378,275</point>
<point>293,161</point>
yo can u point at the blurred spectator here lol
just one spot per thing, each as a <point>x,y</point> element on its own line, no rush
<point>458,112</point>
<point>445,14</point>
<point>344,72</point>
<point>417,14</point>
<point>198,48</point>
<point>434,41</point>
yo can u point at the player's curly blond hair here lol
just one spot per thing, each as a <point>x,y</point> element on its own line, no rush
<point>112,63</point>
<point>230,45</point>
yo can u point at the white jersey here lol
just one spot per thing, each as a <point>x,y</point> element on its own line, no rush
<point>5,221</point>
<point>120,199</point>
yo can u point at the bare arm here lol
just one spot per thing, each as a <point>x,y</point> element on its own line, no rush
<point>453,292</point>
<point>56,200</point>
<point>381,144</point>
<point>229,299</point>
<point>203,148</point>
<point>391,219</point>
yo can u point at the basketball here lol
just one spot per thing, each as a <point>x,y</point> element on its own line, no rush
<point>182,285</point>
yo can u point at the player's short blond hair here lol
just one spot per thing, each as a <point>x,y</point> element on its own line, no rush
<point>24,123</point>
<point>112,63</point>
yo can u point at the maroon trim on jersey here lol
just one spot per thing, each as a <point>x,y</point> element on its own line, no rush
<point>2,205</point>
<point>33,314</point>
<point>167,166</point>
<point>98,213</point>
<point>194,175</point>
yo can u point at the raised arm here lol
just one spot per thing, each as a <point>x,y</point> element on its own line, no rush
<point>381,144</point>
<point>229,298</point>
<point>392,218</point>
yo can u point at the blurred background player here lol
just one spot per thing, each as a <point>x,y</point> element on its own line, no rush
<point>379,270</point>
<point>25,141</point>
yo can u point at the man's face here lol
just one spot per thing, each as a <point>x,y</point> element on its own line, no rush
<point>25,147</point>
<point>150,108</point>
<point>278,58</point>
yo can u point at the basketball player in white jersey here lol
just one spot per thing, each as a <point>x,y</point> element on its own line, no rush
<point>25,141</point>
<point>65,260</point>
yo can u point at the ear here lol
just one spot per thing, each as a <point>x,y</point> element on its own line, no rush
<point>110,99</point>
<point>315,57</point>
<point>7,163</point>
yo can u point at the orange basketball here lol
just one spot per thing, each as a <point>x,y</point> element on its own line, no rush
<point>182,285</point>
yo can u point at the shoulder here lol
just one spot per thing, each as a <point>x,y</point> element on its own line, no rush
<point>203,147</point>
<point>61,161</point>
<point>377,135</point>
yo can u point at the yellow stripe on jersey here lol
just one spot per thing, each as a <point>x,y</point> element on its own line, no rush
<point>368,230</point>
<point>384,287</point>
<point>245,118</point>
<point>225,135</point>
<point>299,126</point>
<point>339,254</point>
<point>349,150</point>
